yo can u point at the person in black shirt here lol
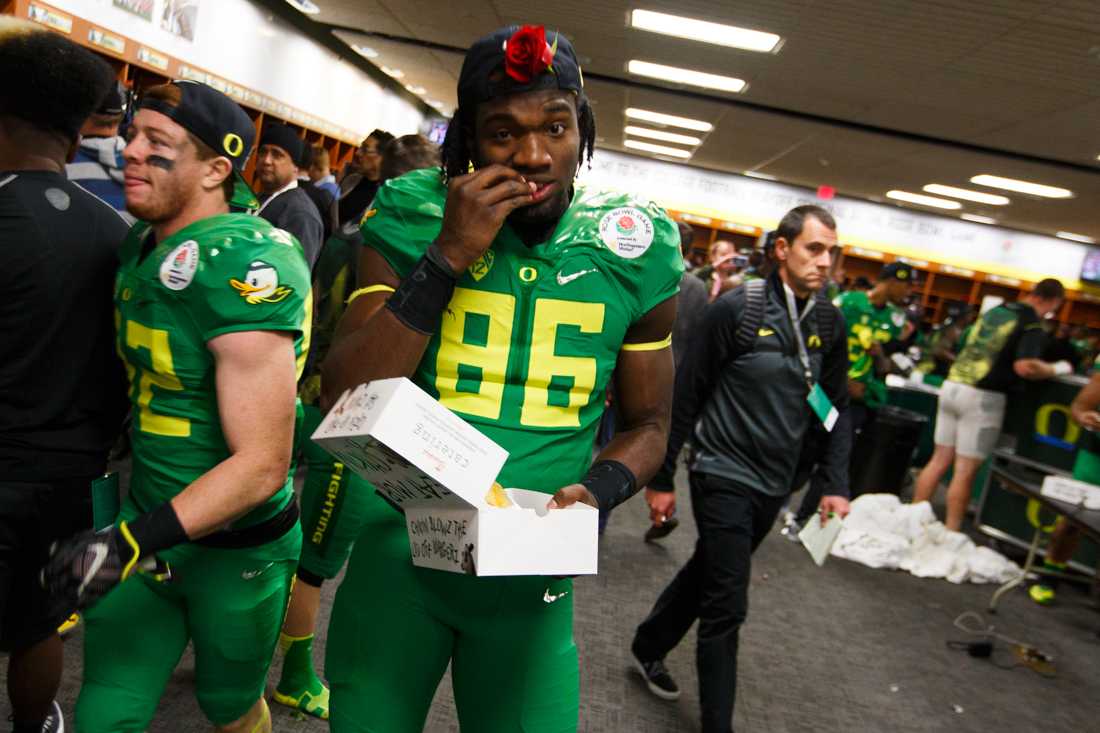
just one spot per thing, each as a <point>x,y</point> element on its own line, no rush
<point>747,398</point>
<point>1004,347</point>
<point>62,388</point>
<point>358,188</point>
<point>282,201</point>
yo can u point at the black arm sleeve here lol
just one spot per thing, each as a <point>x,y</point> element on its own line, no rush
<point>838,445</point>
<point>695,380</point>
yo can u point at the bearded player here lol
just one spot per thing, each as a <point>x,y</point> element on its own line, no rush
<point>513,297</point>
<point>213,323</point>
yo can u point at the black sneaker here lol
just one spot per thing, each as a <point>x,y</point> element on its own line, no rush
<point>55,721</point>
<point>657,678</point>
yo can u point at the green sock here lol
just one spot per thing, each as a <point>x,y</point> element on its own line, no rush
<point>298,675</point>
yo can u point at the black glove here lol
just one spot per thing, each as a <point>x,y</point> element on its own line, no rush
<point>84,568</point>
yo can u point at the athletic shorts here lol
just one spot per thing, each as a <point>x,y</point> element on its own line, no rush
<point>229,603</point>
<point>32,517</point>
<point>395,627</point>
<point>333,507</point>
<point>969,419</point>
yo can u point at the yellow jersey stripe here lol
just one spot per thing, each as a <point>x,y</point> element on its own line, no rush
<point>369,289</point>
<point>651,346</point>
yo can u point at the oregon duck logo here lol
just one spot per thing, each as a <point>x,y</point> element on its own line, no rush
<point>261,284</point>
<point>814,341</point>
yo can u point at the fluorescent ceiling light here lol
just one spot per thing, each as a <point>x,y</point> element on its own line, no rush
<point>658,149</point>
<point>761,176</point>
<point>367,51</point>
<point>967,195</point>
<point>916,198</point>
<point>1011,184</point>
<point>395,73</point>
<point>668,137</point>
<point>658,118</point>
<point>306,6</point>
<point>415,89</point>
<point>978,219</point>
<point>685,76</point>
<point>701,30</point>
<point>1075,237</point>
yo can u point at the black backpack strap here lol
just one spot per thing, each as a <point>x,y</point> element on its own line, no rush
<point>826,321</point>
<point>751,318</point>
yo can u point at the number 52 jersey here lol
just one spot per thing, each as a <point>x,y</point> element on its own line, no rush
<point>220,275</point>
<point>531,337</point>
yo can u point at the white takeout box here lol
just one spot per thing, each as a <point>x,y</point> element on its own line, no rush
<point>438,469</point>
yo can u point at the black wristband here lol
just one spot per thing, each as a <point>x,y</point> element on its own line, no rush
<point>422,296</point>
<point>157,530</point>
<point>611,483</point>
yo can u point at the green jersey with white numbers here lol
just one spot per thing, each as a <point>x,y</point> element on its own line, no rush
<point>220,275</point>
<point>530,339</point>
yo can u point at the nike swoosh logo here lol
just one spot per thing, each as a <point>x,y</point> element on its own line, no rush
<point>566,279</point>
<point>547,598</point>
<point>250,574</point>
<point>100,550</point>
<point>765,332</point>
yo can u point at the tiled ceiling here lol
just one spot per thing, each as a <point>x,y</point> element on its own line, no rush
<point>958,82</point>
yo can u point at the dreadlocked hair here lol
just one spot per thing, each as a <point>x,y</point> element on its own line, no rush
<point>457,151</point>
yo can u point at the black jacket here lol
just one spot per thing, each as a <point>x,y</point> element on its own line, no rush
<point>293,211</point>
<point>749,412</point>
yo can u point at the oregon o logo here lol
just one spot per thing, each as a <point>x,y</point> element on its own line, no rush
<point>528,274</point>
<point>233,144</point>
<point>1043,429</point>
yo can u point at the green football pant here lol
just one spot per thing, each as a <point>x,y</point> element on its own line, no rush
<point>229,603</point>
<point>334,503</point>
<point>395,627</point>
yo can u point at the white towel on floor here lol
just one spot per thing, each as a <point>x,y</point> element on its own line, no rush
<point>881,532</point>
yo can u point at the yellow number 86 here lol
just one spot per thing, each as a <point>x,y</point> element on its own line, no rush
<point>487,357</point>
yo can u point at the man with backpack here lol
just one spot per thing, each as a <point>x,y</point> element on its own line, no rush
<point>771,358</point>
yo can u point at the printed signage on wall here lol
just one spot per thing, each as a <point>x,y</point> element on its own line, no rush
<point>52,18</point>
<point>141,8</point>
<point>179,18</point>
<point>114,44</point>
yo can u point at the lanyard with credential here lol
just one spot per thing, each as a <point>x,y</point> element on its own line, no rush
<point>796,323</point>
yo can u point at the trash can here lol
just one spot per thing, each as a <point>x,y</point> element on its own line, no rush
<point>884,451</point>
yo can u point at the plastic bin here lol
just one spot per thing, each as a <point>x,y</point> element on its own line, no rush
<point>884,451</point>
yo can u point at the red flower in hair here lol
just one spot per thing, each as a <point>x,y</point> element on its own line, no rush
<point>527,54</point>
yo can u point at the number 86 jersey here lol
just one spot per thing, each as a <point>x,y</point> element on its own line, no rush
<point>529,341</point>
<point>219,275</point>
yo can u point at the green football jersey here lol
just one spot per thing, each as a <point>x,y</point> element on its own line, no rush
<point>866,325</point>
<point>530,339</point>
<point>228,273</point>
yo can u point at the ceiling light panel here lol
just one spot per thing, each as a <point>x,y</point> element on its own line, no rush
<point>705,31</point>
<point>668,137</point>
<point>916,198</point>
<point>659,118</point>
<point>658,149</point>
<point>967,195</point>
<point>686,76</point>
<point>979,219</point>
<point>1075,237</point>
<point>1012,184</point>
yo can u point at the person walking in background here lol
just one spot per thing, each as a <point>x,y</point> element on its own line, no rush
<point>771,358</point>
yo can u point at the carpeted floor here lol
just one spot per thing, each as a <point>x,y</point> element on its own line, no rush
<point>840,648</point>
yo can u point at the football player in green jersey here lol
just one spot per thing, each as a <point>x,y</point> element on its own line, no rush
<point>874,319</point>
<point>213,314</point>
<point>333,498</point>
<point>513,296</point>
